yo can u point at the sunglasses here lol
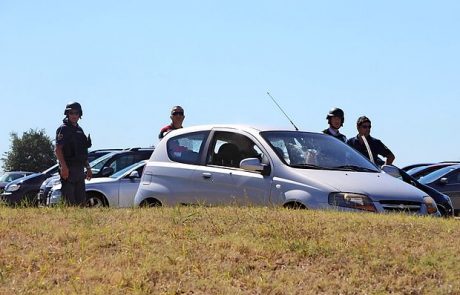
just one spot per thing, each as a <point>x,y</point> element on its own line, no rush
<point>366,126</point>
<point>178,113</point>
<point>74,113</point>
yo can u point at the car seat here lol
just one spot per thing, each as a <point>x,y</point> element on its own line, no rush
<point>228,155</point>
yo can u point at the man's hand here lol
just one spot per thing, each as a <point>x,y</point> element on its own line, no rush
<point>89,173</point>
<point>64,172</point>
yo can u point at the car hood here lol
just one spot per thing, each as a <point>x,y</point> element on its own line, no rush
<point>378,186</point>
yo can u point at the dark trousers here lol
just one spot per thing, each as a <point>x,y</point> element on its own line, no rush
<point>73,188</point>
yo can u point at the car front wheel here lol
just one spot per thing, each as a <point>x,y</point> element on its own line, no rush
<point>94,201</point>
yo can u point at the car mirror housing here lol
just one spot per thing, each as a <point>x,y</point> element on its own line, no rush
<point>443,180</point>
<point>392,170</point>
<point>254,164</point>
<point>134,174</point>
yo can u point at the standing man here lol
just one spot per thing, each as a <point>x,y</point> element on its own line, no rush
<point>372,147</point>
<point>335,118</point>
<point>177,117</point>
<point>72,152</point>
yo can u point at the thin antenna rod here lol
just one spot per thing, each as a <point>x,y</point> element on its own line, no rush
<point>297,129</point>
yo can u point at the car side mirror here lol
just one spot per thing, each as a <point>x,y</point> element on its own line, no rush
<point>134,174</point>
<point>107,171</point>
<point>254,164</point>
<point>443,180</point>
<point>392,170</point>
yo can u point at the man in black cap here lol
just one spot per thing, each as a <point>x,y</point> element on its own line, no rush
<point>335,118</point>
<point>72,152</point>
<point>369,146</point>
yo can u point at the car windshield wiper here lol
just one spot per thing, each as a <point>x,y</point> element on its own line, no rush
<point>354,168</point>
<point>308,166</point>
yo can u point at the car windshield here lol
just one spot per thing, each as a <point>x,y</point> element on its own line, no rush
<point>124,170</point>
<point>429,178</point>
<point>316,151</point>
<point>7,177</point>
<point>416,169</point>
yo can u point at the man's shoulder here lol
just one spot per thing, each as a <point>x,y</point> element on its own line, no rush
<point>166,128</point>
<point>352,140</point>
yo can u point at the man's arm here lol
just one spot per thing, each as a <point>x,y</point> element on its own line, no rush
<point>64,170</point>
<point>390,159</point>
<point>89,172</point>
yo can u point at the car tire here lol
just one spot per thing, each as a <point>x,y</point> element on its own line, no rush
<point>150,203</point>
<point>94,201</point>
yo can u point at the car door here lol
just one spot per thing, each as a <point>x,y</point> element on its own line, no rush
<point>452,188</point>
<point>221,181</point>
<point>127,188</point>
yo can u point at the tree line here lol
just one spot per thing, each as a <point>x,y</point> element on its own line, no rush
<point>33,151</point>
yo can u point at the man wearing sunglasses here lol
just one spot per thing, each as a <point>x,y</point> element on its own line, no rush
<point>369,146</point>
<point>177,117</point>
<point>72,152</point>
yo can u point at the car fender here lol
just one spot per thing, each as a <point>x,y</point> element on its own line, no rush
<point>152,191</point>
<point>304,197</point>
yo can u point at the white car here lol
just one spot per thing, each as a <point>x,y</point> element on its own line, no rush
<point>117,190</point>
<point>228,164</point>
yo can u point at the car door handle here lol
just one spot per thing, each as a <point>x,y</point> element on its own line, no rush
<point>207,175</point>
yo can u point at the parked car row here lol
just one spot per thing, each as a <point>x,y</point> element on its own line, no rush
<point>229,164</point>
<point>32,188</point>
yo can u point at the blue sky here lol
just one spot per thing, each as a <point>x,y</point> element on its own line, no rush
<point>129,62</point>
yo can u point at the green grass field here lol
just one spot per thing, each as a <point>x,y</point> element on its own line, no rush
<point>225,250</point>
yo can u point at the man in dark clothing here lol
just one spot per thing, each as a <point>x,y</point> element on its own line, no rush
<point>177,117</point>
<point>369,146</point>
<point>72,152</point>
<point>335,118</point>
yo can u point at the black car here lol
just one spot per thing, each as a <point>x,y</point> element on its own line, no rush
<point>419,172</point>
<point>8,177</point>
<point>103,166</point>
<point>447,181</point>
<point>443,201</point>
<point>25,189</point>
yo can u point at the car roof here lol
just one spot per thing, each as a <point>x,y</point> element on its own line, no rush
<point>241,127</point>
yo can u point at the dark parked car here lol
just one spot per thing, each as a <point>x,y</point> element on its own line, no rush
<point>103,166</point>
<point>25,189</point>
<point>421,171</point>
<point>8,177</point>
<point>409,167</point>
<point>447,181</point>
<point>443,201</point>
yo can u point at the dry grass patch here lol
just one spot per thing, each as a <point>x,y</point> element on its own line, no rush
<point>224,250</point>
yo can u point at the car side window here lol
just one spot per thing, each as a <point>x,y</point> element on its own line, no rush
<point>122,162</point>
<point>228,149</point>
<point>454,178</point>
<point>186,148</point>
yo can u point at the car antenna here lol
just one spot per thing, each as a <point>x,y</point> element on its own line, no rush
<point>297,129</point>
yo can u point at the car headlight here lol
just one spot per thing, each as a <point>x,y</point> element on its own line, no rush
<point>53,182</point>
<point>430,205</point>
<point>351,200</point>
<point>12,187</point>
<point>55,195</point>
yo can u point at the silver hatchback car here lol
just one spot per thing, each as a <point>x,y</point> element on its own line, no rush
<point>228,164</point>
<point>117,190</point>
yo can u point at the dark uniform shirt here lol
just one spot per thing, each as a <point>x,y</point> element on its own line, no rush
<point>339,135</point>
<point>376,146</point>
<point>74,144</point>
<point>165,130</point>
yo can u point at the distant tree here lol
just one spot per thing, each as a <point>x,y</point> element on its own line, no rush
<point>32,152</point>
